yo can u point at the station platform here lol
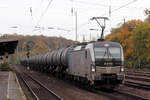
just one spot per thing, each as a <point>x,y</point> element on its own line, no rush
<point>9,87</point>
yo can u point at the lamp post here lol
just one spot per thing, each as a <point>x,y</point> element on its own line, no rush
<point>76,20</point>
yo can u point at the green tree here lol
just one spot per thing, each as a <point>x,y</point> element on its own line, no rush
<point>141,41</point>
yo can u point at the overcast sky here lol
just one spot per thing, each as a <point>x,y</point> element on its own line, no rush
<point>26,14</point>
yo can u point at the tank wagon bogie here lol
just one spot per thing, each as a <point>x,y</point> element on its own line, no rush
<point>100,64</point>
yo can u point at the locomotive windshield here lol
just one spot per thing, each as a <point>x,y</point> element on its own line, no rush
<point>114,52</point>
<point>100,52</point>
<point>107,52</point>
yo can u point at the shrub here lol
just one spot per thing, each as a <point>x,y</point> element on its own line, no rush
<point>5,66</point>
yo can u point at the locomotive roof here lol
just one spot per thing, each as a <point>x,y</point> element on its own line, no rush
<point>104,43</point>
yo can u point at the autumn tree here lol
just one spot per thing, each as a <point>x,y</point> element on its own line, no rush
<point>141,41</point>
<point>124,35</point>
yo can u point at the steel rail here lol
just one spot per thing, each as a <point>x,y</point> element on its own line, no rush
<point>38,82</point>
<point>29,88</point>
<point>136,97</point>
<point>137,85</point>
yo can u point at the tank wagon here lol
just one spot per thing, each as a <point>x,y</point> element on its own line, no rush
<point>100,64</point>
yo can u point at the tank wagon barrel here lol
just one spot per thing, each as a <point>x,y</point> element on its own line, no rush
<point>55,60</point>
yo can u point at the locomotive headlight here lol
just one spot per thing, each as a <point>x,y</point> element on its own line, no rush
<point>122,69</point>
<point>93,69</point>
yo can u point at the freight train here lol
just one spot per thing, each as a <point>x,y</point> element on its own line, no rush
<point>100,64</point>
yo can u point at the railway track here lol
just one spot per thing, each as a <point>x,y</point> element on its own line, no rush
<point>113,94</point>
<point>138,74</point>
<point>144,79</point>
<point>38,90</point>
<point>137,85</point>
<point>119,95</point>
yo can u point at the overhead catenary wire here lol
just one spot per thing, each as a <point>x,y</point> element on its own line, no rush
<point>42,15</point>
<point>110,12</point>
<point>33,20</point>
<point>90,3</point>
<point>87,22</point>
<point>129,3</point>
<point>124,5</point>
<point>83,2</point>
<point>40,4</point>
<point>102,5</point>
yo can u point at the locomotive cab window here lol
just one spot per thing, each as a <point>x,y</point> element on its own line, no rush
<point>115,52</point>
<point>100,52</point>
<point>107,52</point>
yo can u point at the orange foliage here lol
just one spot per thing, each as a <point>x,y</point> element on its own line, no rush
<point>123,35</point>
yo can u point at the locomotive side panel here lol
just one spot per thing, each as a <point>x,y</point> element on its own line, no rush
<point>80,63</point>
